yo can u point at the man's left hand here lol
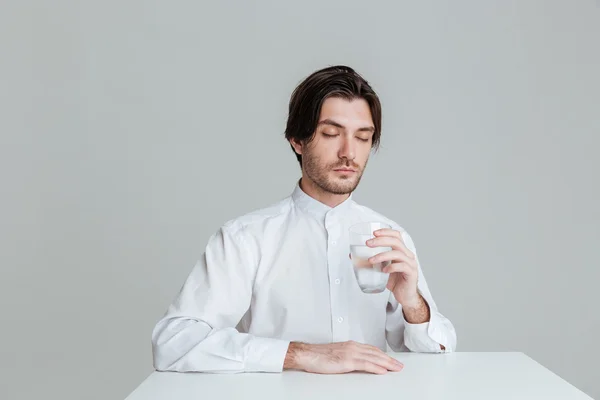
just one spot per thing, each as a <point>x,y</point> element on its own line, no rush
<point>403,268</point>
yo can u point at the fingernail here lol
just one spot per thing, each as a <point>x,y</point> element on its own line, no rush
<point>370,241</point>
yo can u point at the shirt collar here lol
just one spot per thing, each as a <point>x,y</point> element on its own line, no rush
<point>315,207</point>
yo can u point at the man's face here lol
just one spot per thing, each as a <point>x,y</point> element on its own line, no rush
<point>337,156</point>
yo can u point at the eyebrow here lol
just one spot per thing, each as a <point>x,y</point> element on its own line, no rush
<point>331,122</point>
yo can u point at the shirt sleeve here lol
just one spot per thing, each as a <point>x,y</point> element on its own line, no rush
<point>426,337</point>
<point>197,333</point>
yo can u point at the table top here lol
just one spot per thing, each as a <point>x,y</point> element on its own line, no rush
<point>450,376</point>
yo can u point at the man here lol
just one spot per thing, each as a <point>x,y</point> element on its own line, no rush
<point>275,289</point>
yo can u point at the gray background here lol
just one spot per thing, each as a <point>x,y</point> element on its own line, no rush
<point>130,131</point>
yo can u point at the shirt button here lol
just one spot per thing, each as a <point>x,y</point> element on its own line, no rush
<point>340,319</point>
<point>337,281</point>
<point>333,242</point>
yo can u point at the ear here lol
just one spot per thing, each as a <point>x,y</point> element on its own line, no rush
<point>296,145</point>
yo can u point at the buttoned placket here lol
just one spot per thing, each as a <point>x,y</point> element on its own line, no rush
<point>337,290</point>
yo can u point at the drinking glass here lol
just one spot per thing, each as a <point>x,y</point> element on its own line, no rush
<point>369,276</point>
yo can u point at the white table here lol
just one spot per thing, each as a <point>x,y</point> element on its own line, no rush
<point>451,376</point>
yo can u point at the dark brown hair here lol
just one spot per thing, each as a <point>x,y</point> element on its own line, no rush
<point>308,97</point>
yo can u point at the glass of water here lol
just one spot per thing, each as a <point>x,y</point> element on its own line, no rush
<point>369,276</point>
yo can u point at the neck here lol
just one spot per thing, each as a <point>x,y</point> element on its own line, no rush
<point>327,198</point>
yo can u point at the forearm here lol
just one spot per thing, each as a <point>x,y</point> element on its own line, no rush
<point>429,333</point>
<point>291,358</point>
<point>185,345</point>
<point>416,312</point>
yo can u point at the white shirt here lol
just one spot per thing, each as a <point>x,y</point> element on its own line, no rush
<point>283,274</point>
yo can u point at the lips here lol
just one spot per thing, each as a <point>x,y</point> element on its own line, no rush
<point>344,170</point>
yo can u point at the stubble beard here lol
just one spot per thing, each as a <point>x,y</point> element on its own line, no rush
<point>319,174</point>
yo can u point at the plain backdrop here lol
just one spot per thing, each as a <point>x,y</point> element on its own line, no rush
<point>131,131</point>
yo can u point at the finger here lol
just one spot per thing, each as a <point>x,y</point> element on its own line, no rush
<point>370,367</point>
<point>370,347</point>
<point>381,360</point>
<point>384,359</point>
<point>391,283</point>
<point>398,267</point>
<point>377,356</point>
<point>388,232</point>
<point>389,241</point>
<point>394,255</point>
<point>388,363</point>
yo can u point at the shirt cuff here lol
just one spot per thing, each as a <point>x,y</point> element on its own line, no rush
<point>424,337</point>
<point>266,355</point>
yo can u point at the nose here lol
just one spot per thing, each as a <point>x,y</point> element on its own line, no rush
<point>347,150</point>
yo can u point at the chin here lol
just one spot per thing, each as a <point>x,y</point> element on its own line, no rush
<point>342,186</point>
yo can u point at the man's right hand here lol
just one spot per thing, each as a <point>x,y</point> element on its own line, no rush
<point>339,358</point>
